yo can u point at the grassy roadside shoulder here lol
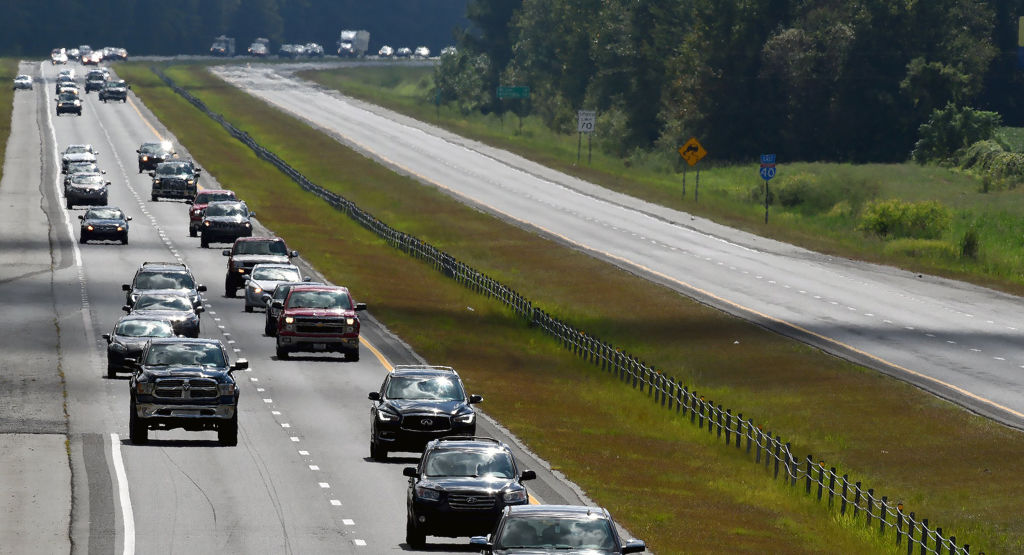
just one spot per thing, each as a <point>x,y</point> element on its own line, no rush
<point>655,473</point>
<point>818,205</point>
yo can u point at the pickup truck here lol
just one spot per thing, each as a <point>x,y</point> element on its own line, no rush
<point>318,318</point>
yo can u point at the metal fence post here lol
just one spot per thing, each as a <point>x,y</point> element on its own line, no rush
<point>750,433</point>
<point>831,486</point>
<point>856,499</point>
<point>871,504</point>
<point>899,523</point>
<point>910,533</point>
<point>810,462</point>
<point>778,448</point>
<point>924,536</point>
<point>881,515</point>
<point>842,500</point>
<point>821,479</point>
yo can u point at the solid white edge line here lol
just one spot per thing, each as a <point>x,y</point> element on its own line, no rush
<point>58,181</point>
<point>127,515</point>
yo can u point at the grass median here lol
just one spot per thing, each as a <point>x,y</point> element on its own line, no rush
<point>668,482</point>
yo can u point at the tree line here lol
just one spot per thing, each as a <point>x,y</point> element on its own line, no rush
<point>848,80</point>
<point>189,26</point>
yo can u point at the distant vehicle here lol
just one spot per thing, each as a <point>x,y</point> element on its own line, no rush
<point>386,51</point>
<point>95,80</point>
<point>314,50</point>
<point>104,222</point>
<point>86,188</point>
<point>129,336</point>
<point>558,528</point>
<point>67,72</point>
<point>290,50</point>
<point>23,82</point>
<point>74,54</point>
<point>224,221</point>
<point>114,90</point>
<point>203,198</point>
<point>77,153</point>
<point>223,46</point>
<point>318,318</point>
<point>260,47</point>
<point>449,50</point>
<point>264,278</point>
<point>248,252</point>
<point>155,276</point>
<point>422,52</point>
<point>175,179</point>
<point>151,154</point>
<point>63,81</point>
<point>58,56</point>
<point>403,52</point>
<point>84,49</point>
<point>173,305</point>
<point>353,44</point>
<point>75,168</point>
<point>69,88</point>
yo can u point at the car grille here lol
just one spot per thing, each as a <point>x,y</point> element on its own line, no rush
<point>322,326</point>
<point>471,501</point>
<point>426,422</point>
<point>186,388</point>
<point>107,228</point>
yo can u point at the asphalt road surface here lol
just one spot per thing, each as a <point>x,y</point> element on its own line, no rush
<point>959,341</point>
<point>300,479</point>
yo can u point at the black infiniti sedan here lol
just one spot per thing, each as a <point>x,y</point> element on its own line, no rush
<point>105,223</point>
<point>129,336</point>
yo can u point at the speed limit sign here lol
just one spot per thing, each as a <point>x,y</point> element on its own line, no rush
<point>586,121</point>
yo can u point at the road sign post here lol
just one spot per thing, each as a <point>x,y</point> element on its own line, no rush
<point>692,152</point>
<point>767,172</point>
<point>585,123</point>
<point>517,92</point>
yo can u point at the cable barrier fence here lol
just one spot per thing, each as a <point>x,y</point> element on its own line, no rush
<point>852,499</point>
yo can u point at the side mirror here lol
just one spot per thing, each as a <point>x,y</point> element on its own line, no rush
<point>294,254</point>
<point>481,542</point>
<point>200,309</point>
<point>189,201</point>
<point>267,299</point>
<point>152,173</point>
<point>528,475</point>
<point>81,217</point>
<point>409,471</point>
<point>252,214</point>
<point>107,337</point>
<point>360,306</point>
<point>277,304</point>
<point>240,364</point>
<point>307,278</point>
<point>226,252</point>
<point>108,184</point>
<point>634,546</point>
<point>374,396</point>
<point>138,151</point>
<point>126,287</point>
<point>474,399</point>
<point>199,171</point>
<point>128,219</point>
<point>104,172</point>
<point>201,288</point>
<point>126,308</point>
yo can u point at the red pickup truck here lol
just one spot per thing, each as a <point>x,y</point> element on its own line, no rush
<point>318,318</point>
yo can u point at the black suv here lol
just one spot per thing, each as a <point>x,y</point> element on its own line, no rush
<point>153,276</point>
<point>151,154</point>
<point>177,179</point>
<point>417,404</point>
<point>224,221</point>
<point>461,487</point>
<point>114,90</point>
<point>248,252</point>
<point>94,80</point>
<point>184,383</point>
<point>558,528</point>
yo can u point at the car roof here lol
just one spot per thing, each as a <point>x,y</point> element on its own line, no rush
<point>163,267</point>
<point>249,239</point>
<point>292,284</point>
<point>423,370</point>
<point>91,208</point>
<point>227,202</point>
<point>464,442</point>
<point>558,510</point>
<point>165,293</point>
<point>275,265</point>
<point>322,287</point>
<point>145,317</point>
<point>217,191</point>
<point>192,340</point>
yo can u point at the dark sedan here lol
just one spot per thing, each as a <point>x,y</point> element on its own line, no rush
<point>86,188</point>
<point>79,167</point>
<point>151,154</point>
<point>173,306</point>
<point>68,103</point>
<point>224,221</point>
<point>556,529</point>
<point>104,222</point>
<point>129,336</point>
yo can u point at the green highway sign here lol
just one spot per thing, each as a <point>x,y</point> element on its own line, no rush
<point>513,92</point>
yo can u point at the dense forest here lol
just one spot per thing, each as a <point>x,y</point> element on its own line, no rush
<point>189,26</point>
<point>845,80</point>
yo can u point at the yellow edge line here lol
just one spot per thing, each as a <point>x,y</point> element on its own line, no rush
<point>684,284</point>
<point>144,120</point>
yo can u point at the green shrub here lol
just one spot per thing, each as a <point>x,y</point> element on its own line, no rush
<point>950,129</point>
<point>895,218</point>
<point>999,169</point>
<point>920,248</point>
<point>970,244</point>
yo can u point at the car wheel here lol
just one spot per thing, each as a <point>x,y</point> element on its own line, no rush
<point>192,232</point>
<point>154,197</point>
<point>282,353</point>
<point>248,308</point>
<point>111,372</point>
<point>204,242</point>
<point>377,452</point>
<point>137,430</point>
<point>413,536</point>
<point>268,328</point>
<point>227,432</point>
<point>352,355</point>
<point>69,204</point>
<point>82,240</point>
<point>124,239</point>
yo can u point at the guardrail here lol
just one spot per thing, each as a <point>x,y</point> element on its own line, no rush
<point>854,500</point>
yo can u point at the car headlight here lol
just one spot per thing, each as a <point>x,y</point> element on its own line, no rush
<point>427,493</point>
<point>289,320</point>
<point>144,388</point>
<point>120,228</point>
<point>207,224</point>
<point>385,416</point>
<point>515,496</point>
<point>465,418</point>
<point>89,227</point>
<point>257,290</point>
<point>196,211</point>
<point>241,270</point>
<point>247,224</point>
<point>191,181</point>
<point>350,321</point>
<point>226,388</point>
<point>78,102</point>
<point>145,158</point>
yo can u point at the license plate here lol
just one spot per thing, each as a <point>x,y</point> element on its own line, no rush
<point>185,413</point>
<point>319,346</point>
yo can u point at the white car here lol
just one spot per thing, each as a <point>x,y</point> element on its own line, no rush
<point>403,52</point>
<point>58,56</point>
<point>422,52</point>
<point>264,278</point>
<point>23,82</point>
<point>386,51</point>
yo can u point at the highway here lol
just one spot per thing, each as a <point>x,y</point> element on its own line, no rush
<point>300,479</point>
<point>960,341</point>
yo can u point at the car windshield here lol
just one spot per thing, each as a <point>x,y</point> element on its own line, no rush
<point>163,302</point>
<point>67,97</point>
<point>77,149</point>
<point>87,179</point>
<point>563,532</point>
<point>319,299</point>
<point>206,198</point>
<point>164,280</point>
<point>144,328</point>
<point>475,463</point>
<point>440,388</point>
<point>83,167</point>
<point>276,274</point>
<point>261,247</point>
<point>173,169</point>
<point>104,214</point>
<point>116,85</point>
<point>226,210</point>
<point>202,354</point>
